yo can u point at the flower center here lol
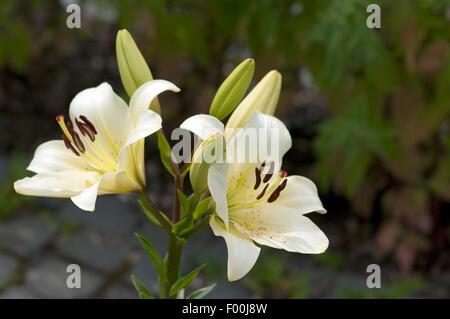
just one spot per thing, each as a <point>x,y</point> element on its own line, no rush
<point>94,154</point>
<point>262,190</point>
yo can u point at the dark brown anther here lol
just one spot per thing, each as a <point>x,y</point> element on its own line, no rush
<point>88,131</point>
<point>89,124</point>
<point>80,126</point>
<point>270,172</point>
<point>276,193</point>
<point>69,145</point>
<point>263,192</point>
<point>258,178</point>
<point>77,141</point>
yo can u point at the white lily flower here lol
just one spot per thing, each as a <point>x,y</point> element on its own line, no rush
<point>102,147</point>
<point>257,202</point>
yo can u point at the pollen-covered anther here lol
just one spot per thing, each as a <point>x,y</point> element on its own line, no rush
<point>85,130</point>
<point>269,173</point>
<point>276,193</point>
<point>258,178</point>
<point>69,145</point>
<point>263,192</point>
<point>89,124</point>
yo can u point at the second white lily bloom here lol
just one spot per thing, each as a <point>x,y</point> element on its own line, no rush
<point>102,146</point>
<point>256,201</point>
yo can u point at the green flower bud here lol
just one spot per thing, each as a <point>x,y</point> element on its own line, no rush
<point>133,69</point>
<point>263,97</point>
<point>232,90</point>
<point>209,152</point>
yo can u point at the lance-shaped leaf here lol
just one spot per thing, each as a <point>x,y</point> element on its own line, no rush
<point>202,292</point>
<point>232,90</point>
<point>143,291</point>
<point>184,281</point>
<point>154,256</point>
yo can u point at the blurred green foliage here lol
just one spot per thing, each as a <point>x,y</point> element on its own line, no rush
<point>399,290</point>
<point>385,147</point>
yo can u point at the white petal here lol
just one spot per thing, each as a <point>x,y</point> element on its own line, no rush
<point>60,184</point>
<point>148,123</point>
<point>87,198</point>
<point>273,133</point>
<point>145,94</point>
<point>131,156</point>
<point>301,194</point>
<point>281,227</point>
<point>242,252</point>
<point>203,125</point>
<point>217,183</point>
<point>53,156</point>
<point>109,114</point>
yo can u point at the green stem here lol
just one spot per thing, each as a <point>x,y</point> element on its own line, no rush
<point>173,262</point>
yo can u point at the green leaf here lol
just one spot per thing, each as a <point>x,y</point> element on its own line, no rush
<point>202,292</point>
<point>153,255</point>
<point>148,213</point>
<point>164,152</point>
<point>184,281</point>
<point>143,291</point>
<point>201,209</point>
<point>183,201</point>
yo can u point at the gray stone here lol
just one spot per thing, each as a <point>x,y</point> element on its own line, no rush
<point>145,272</point>
<point>18,292</point>
<point>119,291</point>
<point>8,266</point>
<point>348,281</point>
<point>111,214</point>
<point>26,234</point>
<point>48,277</point>
<point>104,251</point>
<point>228,290</point>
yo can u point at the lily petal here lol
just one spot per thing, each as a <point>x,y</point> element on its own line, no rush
<point>301,194</point>
<point>60,184</point>
<point>281,227</point>
<point>107,112</point>
<point>217,183</point>
<point>242,252</point>
<point>148,123</point>
<point>53,156</point>
<point>203,125</point>
<point>145,94</point>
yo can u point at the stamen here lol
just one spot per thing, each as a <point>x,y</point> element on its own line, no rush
<point>60,120</point>
<point>276,193</point>
<point>258,178</point>
<point>78,142</point>
<point>84,129</point>
<point>89,124</point>
<point>270,172</point>
<point>263,192</point>
<point>69,145</point>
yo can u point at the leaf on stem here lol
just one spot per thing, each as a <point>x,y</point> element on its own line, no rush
<point>164,153</point>
<point>154,256</point>
<point>202,292</point>
<point>141,288</point>
<point>184,281</point>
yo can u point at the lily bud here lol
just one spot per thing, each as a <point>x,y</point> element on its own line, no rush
<point>209,152</point>
<point>263,97</point>
<point>232,90</point>
<point>133,69</point>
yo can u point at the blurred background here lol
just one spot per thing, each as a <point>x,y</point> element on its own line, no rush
<point>368,110</point>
